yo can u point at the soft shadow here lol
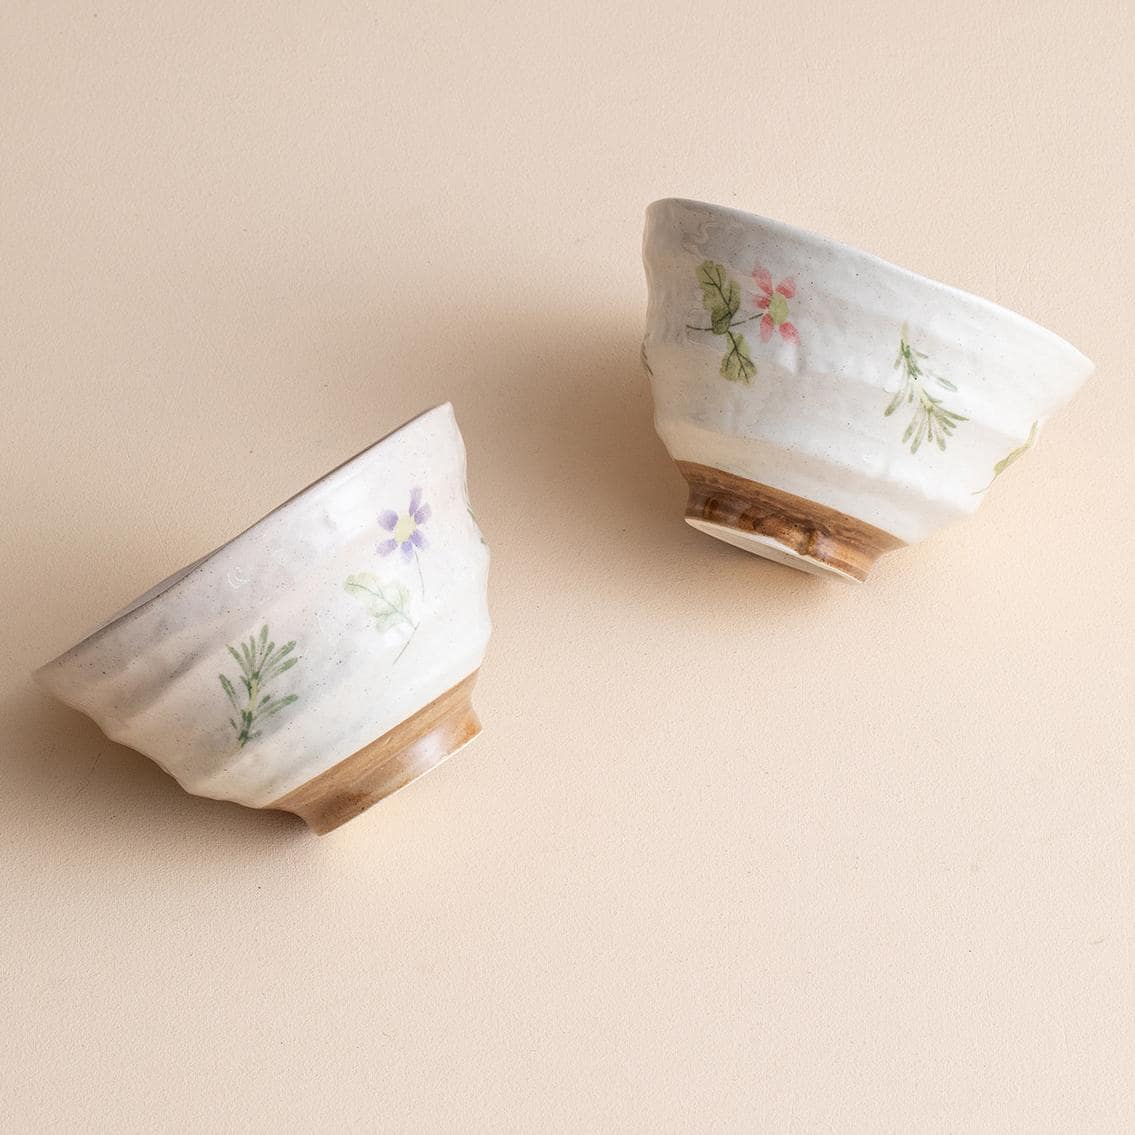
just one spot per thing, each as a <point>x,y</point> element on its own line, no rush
<point>558,421</point>
<point>62,774</point>
<point>560,432</point>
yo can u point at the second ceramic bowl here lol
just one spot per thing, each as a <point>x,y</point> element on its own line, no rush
<point>322,659</point>
<point>824,405</point>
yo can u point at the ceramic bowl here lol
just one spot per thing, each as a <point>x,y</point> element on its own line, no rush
<point>322,659</point>
<point>824,405</point>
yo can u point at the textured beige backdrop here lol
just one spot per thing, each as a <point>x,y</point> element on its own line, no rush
<point>739,849</point>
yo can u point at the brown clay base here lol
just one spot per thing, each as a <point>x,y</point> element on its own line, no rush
<point>781,526</point>
<point>408,751</point>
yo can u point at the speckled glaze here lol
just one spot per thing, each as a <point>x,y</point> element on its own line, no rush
<point>320,629</point>
<point>807,367</point>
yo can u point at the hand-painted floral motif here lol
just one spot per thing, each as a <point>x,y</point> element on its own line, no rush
<point>261,662</point>
<point>1020,451</point>
<point>721,297</point>
<point>930,421</point>
<point>387,602</point>
<point>405,528</point>
<point>773,302</point>
<point>1016,454</point>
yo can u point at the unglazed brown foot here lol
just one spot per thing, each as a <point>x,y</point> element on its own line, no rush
<point>781,526</point>
<point>408,751</point>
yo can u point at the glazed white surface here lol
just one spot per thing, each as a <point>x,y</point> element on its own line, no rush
<point>151,676</point>
<point>812,421</point>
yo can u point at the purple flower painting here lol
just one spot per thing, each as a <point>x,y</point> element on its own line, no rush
<point>406,528</point>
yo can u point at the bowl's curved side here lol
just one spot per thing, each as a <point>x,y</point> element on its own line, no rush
<point>335,619</point>
<point>807,366</point>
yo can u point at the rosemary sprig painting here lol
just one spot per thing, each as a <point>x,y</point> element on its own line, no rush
<point>261,662</point>
<point>930,420</point>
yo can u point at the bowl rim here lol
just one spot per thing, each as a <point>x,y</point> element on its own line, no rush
<point>886,266</point>
<point>334,477</point>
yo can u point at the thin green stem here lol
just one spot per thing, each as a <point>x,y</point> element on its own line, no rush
<point>735,323</point>
<point>248,716</point>
<point>409,639</point>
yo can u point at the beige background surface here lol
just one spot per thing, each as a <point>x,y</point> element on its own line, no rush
<point>739,850</point>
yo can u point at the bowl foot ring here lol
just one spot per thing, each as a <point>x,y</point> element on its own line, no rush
<point>781,526</point>
<point>406,752</point>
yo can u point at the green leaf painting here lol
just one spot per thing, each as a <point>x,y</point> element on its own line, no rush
<point>388,603</point>
<point>721,298</point>
<point>738,365</point>
<point>930,421</point>
<point>720,295</point>
<point>1009,458</point>
<point>1019,452</point>
<point>260,662</point>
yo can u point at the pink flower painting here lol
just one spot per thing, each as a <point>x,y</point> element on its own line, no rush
<point>773,301</point>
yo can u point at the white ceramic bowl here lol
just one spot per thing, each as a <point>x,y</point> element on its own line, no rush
<point>322,659</point>
<point>824,405</point>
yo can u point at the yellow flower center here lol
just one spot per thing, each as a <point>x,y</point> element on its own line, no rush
<point>778,308</point>
<point>405,528</point>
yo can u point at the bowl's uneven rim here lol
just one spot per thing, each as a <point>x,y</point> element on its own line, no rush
<point>329,481</point>
<point>879,263</point>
